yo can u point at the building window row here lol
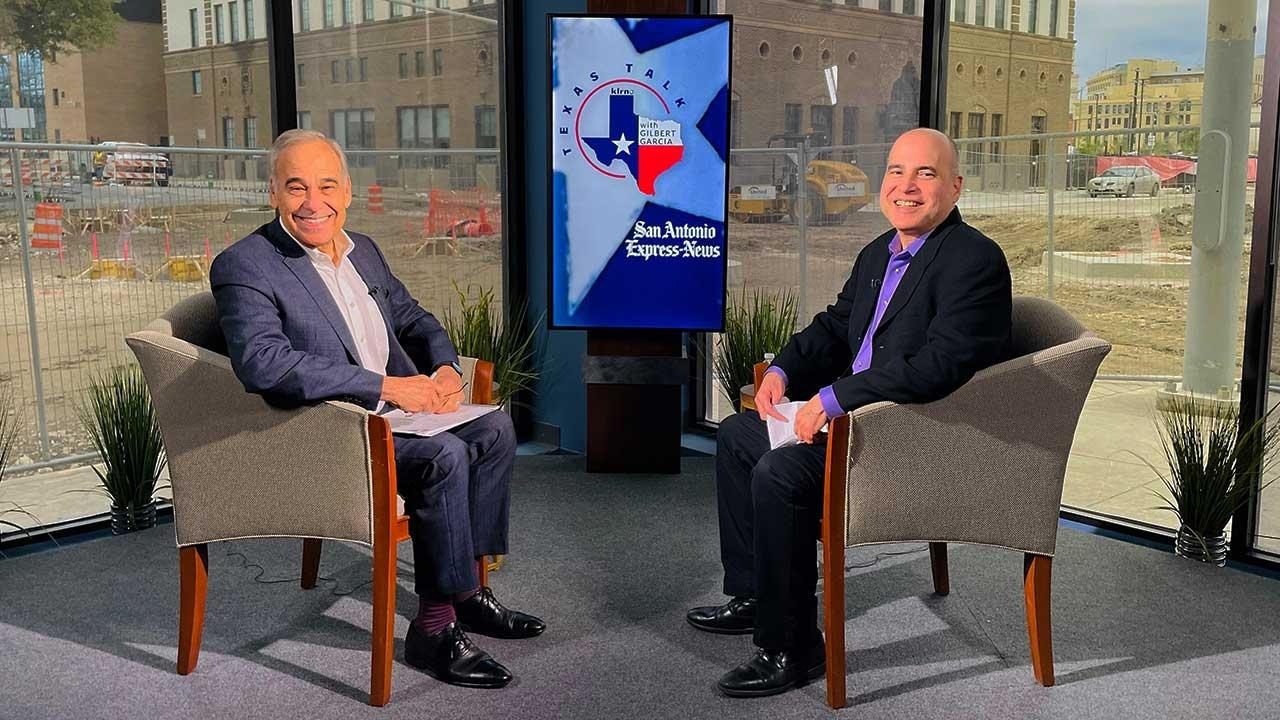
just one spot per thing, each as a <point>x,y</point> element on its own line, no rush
<point>974,125</point>
<point>425,126</point>
<point>347,70</point>
<point>353,130</point>
<point>974,12</point>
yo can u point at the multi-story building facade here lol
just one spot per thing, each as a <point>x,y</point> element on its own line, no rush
<point>373,75</point>
<point>79,96</point>
<point>1009,69</point>
<point>390,75</point>
<point>1010,64</point>
<point>1146,93</point>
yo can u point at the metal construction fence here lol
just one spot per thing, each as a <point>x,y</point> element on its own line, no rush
<point>88,255</point>
<point>1119,258</point>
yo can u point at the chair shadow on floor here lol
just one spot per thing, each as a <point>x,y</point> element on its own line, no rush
<point>121,613</point>
<point>1117,608</point>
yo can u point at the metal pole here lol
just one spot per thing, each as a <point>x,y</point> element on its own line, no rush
<point>802,219</point>
<point>1049,190</point>
<point>33,331</point>
<point>1142,101</point>
<point>1217,235</point>
<point>1133,108</point>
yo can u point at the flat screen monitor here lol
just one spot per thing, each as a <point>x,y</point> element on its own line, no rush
<point>639,171</point>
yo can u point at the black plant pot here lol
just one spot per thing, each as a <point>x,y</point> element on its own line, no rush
<point>126,519</point>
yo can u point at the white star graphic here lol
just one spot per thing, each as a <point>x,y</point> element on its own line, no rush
<point>623,144</point>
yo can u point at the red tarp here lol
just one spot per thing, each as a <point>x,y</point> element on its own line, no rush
<point>1166,168</point>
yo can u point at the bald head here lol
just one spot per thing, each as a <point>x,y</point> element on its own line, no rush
<point>921,183</point>
<point>929,135</point>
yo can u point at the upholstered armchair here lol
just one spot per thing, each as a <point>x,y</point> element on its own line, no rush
<point>241,468</point>
<point>984,465</point>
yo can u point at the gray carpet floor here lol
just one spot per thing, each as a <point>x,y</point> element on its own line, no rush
<point>612,563</point>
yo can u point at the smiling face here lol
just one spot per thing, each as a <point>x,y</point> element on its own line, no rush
<point>922,183</point>
<point>311,193</point>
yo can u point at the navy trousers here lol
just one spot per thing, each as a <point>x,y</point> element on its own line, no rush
<point>456,490</point>
<point>770,507</point>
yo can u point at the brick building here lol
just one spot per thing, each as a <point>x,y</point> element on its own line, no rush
<point>1009,70</point>
<point>80,97</point>
<point>373,75</point>
<point>1146,93</point>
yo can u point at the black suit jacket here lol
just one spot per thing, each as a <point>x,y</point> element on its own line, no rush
<point>950,317</point>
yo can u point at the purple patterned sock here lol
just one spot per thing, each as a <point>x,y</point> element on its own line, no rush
<point>434,616</point>
<point>465,595</point>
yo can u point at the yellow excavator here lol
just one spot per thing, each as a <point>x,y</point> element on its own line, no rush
<point>833,189</point>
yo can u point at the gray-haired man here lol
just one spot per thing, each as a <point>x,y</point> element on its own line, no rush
<point>310,313</point>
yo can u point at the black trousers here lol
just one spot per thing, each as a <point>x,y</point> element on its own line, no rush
<point>770,505</point>
<point>455,487</point>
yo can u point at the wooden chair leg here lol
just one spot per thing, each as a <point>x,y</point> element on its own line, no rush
<point>310,562</point>
<point>193,582</point>
<point>938,562</point>
<point>833,619</point>
<point>833,536</point>
<point>482,570</point>
<point>384,613</point>
<point>1036,576</point>
<point>384,559</point>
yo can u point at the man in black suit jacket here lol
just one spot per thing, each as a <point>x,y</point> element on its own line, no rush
<point>927,305</point>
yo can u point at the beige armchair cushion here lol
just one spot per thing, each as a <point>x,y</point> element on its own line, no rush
<point>986,463</point>
<point>240,467</point>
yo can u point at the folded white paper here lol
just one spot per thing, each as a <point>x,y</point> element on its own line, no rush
<point>428,424</point>
<point>783,434</point>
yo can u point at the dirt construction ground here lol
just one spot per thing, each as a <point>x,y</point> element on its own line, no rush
<point>82,321</point>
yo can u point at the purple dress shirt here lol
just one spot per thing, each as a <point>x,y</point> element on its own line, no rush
<point>899,260</point>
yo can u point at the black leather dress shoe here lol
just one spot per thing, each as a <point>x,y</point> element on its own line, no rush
<point>450,656</point>
<point>482,614</point>
<point>771,672</point>
<point>736,617</point>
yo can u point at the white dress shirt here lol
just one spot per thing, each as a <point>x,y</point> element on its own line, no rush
<point>358,308</point>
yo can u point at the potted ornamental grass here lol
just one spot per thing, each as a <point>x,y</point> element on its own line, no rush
<point>122,425</point>
<point>754,327</point>
<point>1212,466</point>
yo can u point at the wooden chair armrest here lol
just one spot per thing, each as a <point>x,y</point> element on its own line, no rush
<point>482,384</point>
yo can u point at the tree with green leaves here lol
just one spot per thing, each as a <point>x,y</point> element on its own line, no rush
<point>1189,142</point>
<point>1089,146</point>
<point>48,27</point>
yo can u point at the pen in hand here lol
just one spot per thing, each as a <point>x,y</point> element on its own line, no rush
<point>388,407</point>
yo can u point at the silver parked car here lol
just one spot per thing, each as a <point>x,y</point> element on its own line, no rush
<point>1127,181</point>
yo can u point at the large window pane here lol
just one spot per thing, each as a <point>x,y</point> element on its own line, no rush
<point>401,91</point>
<point>832,83</point>
<point>100,224</point>
<point>1107,120</point>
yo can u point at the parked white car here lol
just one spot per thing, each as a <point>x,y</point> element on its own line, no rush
<point>1126,181</point>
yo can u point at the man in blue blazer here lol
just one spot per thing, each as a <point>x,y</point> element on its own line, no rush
<point>311,312</point>
<point>927,305</point>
